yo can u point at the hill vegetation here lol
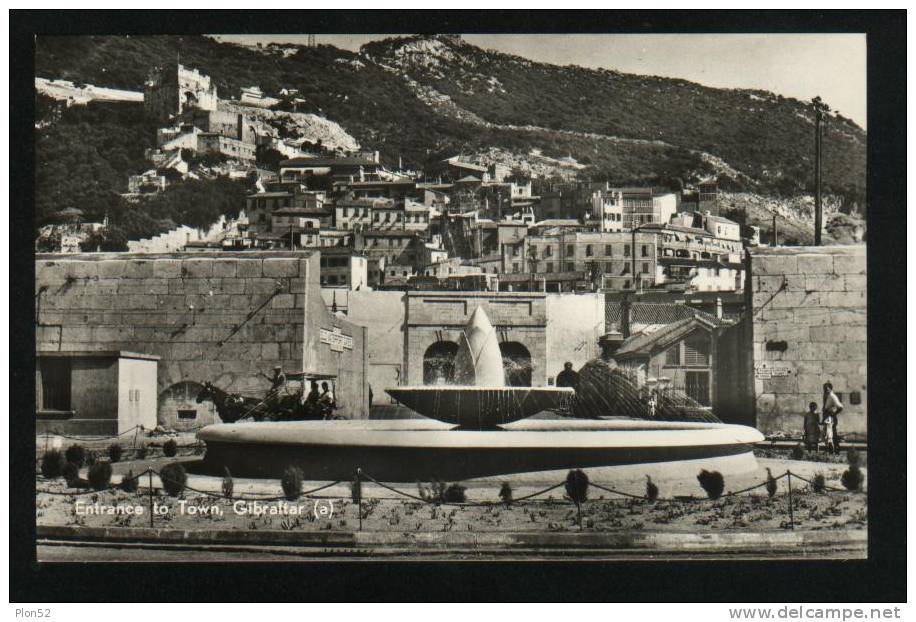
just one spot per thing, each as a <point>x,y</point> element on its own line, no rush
<point>625,128</point>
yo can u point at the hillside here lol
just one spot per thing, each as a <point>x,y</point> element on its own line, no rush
<point>425,98</point>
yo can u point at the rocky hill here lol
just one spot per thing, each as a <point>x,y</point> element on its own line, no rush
<point>428,97</point>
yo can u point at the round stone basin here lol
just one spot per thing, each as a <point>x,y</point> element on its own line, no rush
<point>480,408</point>
<point>423,450</point>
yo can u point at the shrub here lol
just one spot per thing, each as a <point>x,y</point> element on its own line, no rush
<point>142,451</point>
<point>454,493</point>
<point>852,477</point>
<point>356,490</point>
<point>577,486</point>
<point>505,493</point>
<point>292,482</point>
<point>71,473</point>
<point>100,475</point>
<point>129,482</point>
<point>798,452</point>
<point>76,454</point>
<point>173,478</point>
<point>52,463</point>
<point>712,482</point>
<point>853,458</point>
<point>819,483</point>
<point>228,484</point>
<point>170,448</point>
<point>651,489</point>
<point>91,458</point>
<point>115,452</point>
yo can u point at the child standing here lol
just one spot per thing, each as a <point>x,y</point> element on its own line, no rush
<point>812,427</point>
<point>829,434</point>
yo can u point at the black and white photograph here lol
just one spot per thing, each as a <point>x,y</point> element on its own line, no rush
<point>451,297</point>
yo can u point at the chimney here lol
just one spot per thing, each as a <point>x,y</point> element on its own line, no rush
<point>625,317</point>
<point>719,307</point>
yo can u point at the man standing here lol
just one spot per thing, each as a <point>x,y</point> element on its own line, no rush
<point>568,377</point>
<point>832,408</point>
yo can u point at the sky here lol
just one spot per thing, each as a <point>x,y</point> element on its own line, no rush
<point>793,65</point>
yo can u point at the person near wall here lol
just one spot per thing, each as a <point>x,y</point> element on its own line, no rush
<point>327,401</point>
<point>812,427</point>
<point>830,441</point>
<point>832,408</point>
<point>568,377</point>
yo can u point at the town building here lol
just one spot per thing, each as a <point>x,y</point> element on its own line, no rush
<point>172,89</point>
<point>344,267</point>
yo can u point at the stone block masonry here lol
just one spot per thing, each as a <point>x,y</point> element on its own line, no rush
<point>809,327</point>
<point>208,317</point>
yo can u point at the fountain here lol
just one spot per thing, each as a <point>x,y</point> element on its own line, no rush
<point>476,427</point>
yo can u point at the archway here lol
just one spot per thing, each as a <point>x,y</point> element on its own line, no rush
<point>439,363</point>
<point>516,363</point>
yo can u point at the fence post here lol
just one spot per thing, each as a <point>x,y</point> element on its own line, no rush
<point>150,473</point>
<point>791,514</point>
<point>359,499</point>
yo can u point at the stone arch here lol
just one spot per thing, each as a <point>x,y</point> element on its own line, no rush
<point>439,362</point>
<point>516,363</point>
<point>178,407</point>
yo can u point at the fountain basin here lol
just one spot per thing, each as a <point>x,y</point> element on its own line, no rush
<point>424,450</point>
<point>480,407</point>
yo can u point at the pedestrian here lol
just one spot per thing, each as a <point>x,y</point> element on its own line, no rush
<point>832,406</point>
<point>327,401</point>
<point>568,377</point>
<point>812,427</point>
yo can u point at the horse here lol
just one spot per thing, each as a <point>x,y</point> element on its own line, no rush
<point>230,406</point>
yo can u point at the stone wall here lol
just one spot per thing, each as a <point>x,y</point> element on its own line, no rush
<point>209,317</point>
<point>809,327</point>
<point>575,322</point>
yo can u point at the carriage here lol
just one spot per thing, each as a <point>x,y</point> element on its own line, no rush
<point>293,397</point>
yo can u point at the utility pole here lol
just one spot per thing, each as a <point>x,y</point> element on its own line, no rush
<point>820,109</point>
<point>775,232</point>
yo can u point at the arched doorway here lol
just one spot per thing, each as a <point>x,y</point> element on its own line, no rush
<point>439,363</point>
<point>516,363</point>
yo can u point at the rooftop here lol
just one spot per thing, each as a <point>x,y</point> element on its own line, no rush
<point>646,343</point>
<point>312,162</point>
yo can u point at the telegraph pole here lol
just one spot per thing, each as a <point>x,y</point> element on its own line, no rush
<point>820,108</point>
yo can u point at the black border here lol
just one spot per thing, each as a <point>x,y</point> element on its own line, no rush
<point>881,578</point>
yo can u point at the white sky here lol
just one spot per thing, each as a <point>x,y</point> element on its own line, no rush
<point>793,65</point>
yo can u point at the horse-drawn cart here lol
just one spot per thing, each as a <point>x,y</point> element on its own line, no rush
<point>294,396</point>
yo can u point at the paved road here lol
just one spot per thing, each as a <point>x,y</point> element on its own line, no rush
<point>97,551</point>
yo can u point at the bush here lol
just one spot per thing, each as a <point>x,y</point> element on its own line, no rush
<point>577,486</point>
<point>454,493</point>
<point>115,452</point>
<point>100,475</point>
<point>173,478</point>
<point>852,478</point>
<point>853,458</point>
<point>76,454</point>
<point>819,483</point>
<point>356,490</point>
<point>91,458</point>
<point>712,482</point>
<point>170,448</point>
<point>52,464</point>
<point>798,452</point>
<point>651,489</point>
<point>505,493</point>
<point>129,483</point>
<point>71,473</point>
<point>292,482</point>
<point>142,451</point>
<point>228,484</point>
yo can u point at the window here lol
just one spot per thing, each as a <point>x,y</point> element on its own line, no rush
<point>673,355</point>
<point>549,266</point>
<point>548,252</point>
<point>187,413</point>
<point>608,266</point>
<point>515,267</point>
<point>569,250</point>
<point>607,250</point>
<point>696,350</point>
<point>570,267</point>
<point>588,250</point>
<point>626,284</point>
<point>645,250</point>
<point>626,250</point>
<point>645,267</point>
